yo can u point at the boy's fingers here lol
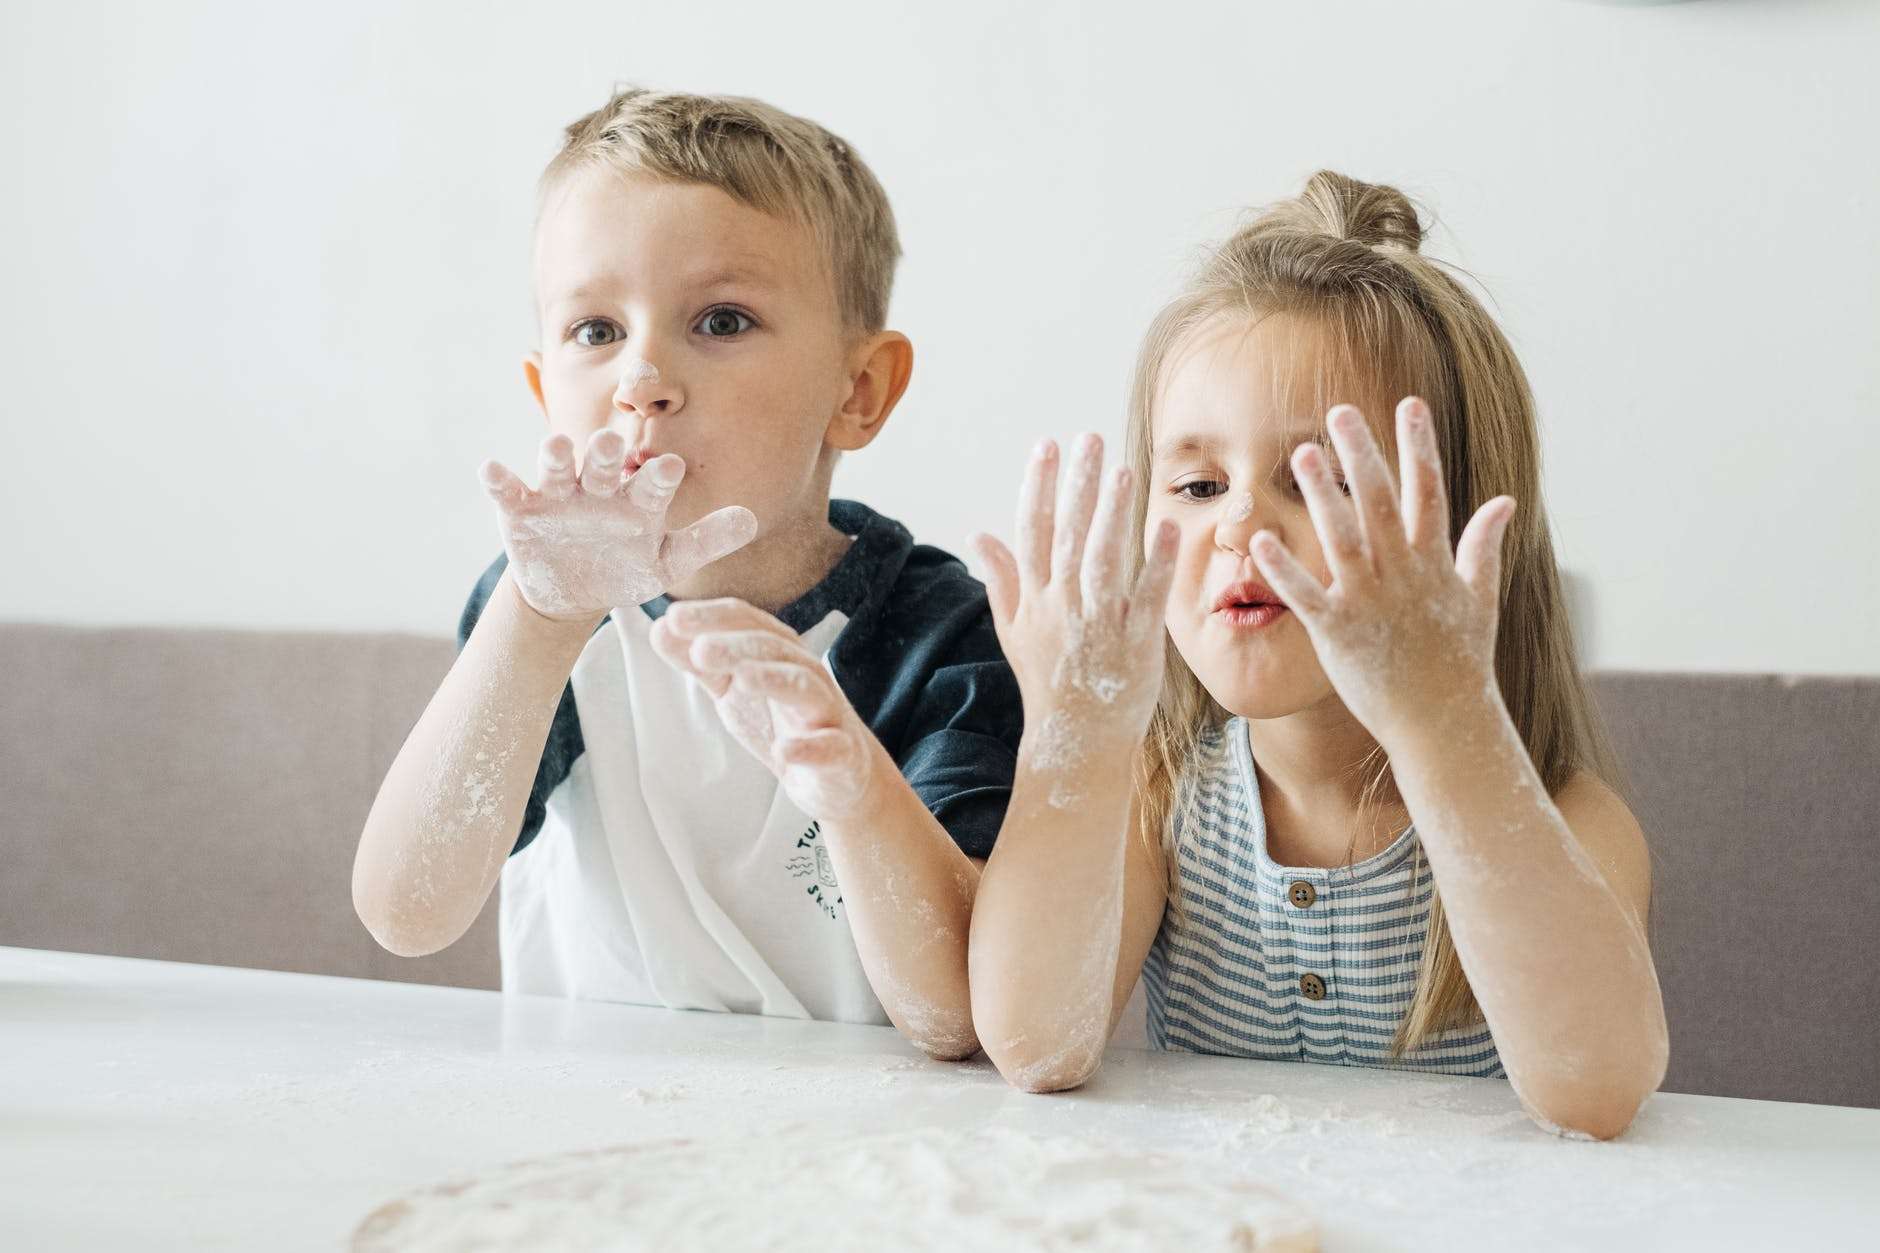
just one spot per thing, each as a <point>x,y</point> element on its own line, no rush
<point>1420,465</point>
<point>502,484</point>
<point>1073,518</point>
<point>695,617</point>
<point>676,651</point>
<point>683,553</point>
<point>1103,552</point>
<point>728,650</point>
<point>1036,502</point>
<point>1002,583</point>
<point>556,467</point>
<point>651,488</point>
<point>1302,593</point>
<point>802,686</point>
<point>600,469</point>
<point>1148,606</point>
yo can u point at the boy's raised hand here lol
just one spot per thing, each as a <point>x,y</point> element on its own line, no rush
<point>583,544</point>
<point>777,698</point>
<point>1084,640</point>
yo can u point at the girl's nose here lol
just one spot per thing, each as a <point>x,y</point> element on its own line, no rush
<point>643,390</point>
<point>1236,522</point>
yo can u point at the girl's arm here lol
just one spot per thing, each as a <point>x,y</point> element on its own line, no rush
<point>1072,895</point>
<point>1554,948</point>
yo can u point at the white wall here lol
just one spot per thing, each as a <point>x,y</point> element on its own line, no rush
<point>263,283</point>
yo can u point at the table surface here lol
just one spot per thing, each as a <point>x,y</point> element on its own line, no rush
<point>158,1105</point>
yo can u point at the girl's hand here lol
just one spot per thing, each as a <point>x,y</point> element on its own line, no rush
<point>581,546</point>
<point>778,699</point>
<point>1084,642</point>
<point>1405,628</point>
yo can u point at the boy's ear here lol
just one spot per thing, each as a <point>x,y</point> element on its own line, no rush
<point>532,370</point>
<point>879,367</point>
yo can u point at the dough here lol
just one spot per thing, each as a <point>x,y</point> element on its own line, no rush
<point>988,1189</point>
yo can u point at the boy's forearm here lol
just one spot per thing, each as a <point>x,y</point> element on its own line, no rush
<point>447,814</point>
<point>1048,921</point>
<point>908,891</point>
<point>1559,964</point>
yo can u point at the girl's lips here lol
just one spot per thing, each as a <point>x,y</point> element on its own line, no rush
<point>1251,617</point>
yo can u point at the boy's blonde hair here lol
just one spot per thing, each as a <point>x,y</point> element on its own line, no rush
<point>1342,259</point>
<point>759,155</point>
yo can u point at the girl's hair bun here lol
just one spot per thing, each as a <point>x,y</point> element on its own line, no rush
<point>1371,214</point>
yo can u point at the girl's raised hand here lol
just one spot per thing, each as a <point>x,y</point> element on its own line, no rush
<point>1405,626</point>
<point>582,544</point>
<point>1084,641</point>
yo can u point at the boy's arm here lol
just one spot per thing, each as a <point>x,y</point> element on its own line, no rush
<point>447,815</point>
<point>906,886</point>
<point>591,537</point>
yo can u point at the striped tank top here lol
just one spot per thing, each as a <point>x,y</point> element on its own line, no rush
<point>1287,963</point>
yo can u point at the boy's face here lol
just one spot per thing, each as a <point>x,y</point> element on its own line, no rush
<point>695,325</point>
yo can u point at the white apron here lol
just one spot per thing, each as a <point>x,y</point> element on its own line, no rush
<point>671,869</point>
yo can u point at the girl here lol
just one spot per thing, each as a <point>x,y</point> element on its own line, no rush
<point>1359,813</point>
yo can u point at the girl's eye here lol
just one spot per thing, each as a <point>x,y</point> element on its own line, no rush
<point>1212,489</point>
<point>1338,481</point>
<point>725,323</point>
<point>581,333</point>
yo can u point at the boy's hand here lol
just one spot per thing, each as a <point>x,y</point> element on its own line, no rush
<point>582,545</point>
<point>777,698</point>
<point>1407,627</point>
<point>1084,642</point>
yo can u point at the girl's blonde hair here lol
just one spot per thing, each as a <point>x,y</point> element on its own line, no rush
<point>1386,322</point>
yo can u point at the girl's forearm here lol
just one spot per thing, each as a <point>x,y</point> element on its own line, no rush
<point>908,892</point>
<point>1048,921</point>
<point>1560,965</point>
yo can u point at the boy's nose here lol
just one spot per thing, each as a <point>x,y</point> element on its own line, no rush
<point>643,390</point>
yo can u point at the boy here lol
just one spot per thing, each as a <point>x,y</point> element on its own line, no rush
<point>728,744</point>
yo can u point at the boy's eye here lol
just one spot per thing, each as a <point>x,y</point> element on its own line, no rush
<point>1210,489</point>
<point>724,323</point>
<point>589,334</point>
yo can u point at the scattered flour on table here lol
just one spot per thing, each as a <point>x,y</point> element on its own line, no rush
<point>803,1188</point>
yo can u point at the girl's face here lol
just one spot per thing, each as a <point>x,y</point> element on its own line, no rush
<point>1223,438</point>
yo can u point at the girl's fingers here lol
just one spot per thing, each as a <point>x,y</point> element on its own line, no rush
<point>1148,603</point>
<point>1102,576</point>
<point>1420,464</point>
<point>600,468</point>
<point>1294,583</point>
<point>1002,581</point>
<point>1074,513</point>
<point>683,553</point>
<point>1379,513</point>
<point>1332,515</point>
<point>502,484</point>
<point>555,465</point>
<point>1478,552</point>
<point>1036,501</point>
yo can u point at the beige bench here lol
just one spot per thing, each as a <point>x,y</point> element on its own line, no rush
<point>195,795</point>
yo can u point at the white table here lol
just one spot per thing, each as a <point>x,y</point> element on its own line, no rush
<point>153,1105</point>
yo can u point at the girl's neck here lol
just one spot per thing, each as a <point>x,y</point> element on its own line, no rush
<point>1314,769</point>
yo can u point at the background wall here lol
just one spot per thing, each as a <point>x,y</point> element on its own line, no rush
<point>263,274</point>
